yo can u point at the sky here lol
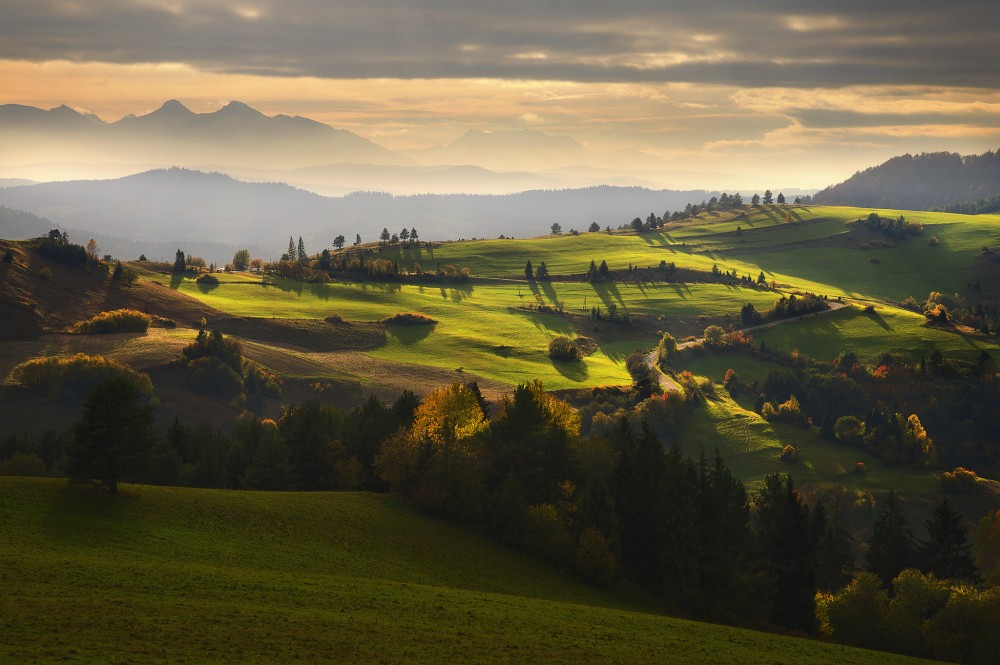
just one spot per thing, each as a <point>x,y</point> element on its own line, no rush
<point>779,93</point>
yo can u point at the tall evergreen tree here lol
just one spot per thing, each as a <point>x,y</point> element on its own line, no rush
<point>947,552</point>
<point>113,436</point>
<point>834,558</point>
<point>891,548</point>
<point>529,272</point>
<point>180,262</point>
<point>787,551</point>
<point>291,254</point>
<point>301,252</point>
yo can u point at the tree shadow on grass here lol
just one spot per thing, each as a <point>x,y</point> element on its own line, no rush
<point>877,318</point>
<point>574,370</point>
<point>87,515</point>
<point>410,335</point>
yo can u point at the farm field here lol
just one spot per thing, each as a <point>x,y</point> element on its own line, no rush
<point>170,575</point>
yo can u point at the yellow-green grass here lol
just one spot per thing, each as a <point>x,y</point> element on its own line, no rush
<point>911,268</point>
<point>751,447</point>
<point>809,254</point>
<point>870,334</point>
<point>563,255</point>
<point>480,329</point>
<point>174,575</point>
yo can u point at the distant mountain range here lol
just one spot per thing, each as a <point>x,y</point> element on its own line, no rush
<point>64,144</point>
<point>236,135</point>
<point>156,210</point>
<point>920,182</point>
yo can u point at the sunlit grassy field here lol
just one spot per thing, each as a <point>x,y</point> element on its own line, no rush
<point>169,575</point>
<point>478,328</point>
<point>751,447</point>
<point>870,334</point>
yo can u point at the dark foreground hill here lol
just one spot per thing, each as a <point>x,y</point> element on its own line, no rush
<point>178,575</point>
<point>919,182</point>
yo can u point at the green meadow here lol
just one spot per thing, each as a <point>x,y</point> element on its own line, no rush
<point>751,447</point>
<point>813,253</point>
<point>480,327</point>
<point>170,575</point>
<point>870,334</point>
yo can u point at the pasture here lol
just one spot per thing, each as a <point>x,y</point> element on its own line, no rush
<point>168,575</point>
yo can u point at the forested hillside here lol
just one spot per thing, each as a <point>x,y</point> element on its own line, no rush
<point>919,182</point>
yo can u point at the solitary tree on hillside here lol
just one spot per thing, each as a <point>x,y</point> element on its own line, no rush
<point>112,437</point>
<point>890,548</point>
<point>768,197</point>
<point>781,199</point>
<point>180,262</point>
<point>92,248</point>
<point>357,239</point>
<point>241,259</point>
<point>339,241</point>
<point>594,227</point>
<point>556,228</point>
<point>947,552</point>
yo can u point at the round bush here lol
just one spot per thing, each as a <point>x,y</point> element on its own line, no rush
<point>563,348</point>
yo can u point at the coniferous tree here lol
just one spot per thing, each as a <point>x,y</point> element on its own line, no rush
<point>724,533</point>
<point>300,253</point>
<point>602,270</point>
<point>592,271</point>
<point>113,436</point>
<point>891,547</point>
<point>180,262</point>
<point>834,558</point>
<point>947,552</point>
<point>385,236</point>
<point>543,271</point>
<point>787,551</point>
<point>291,254</point>
<point>357,239</point>
<point>529,272</point>
<point>413,235</point>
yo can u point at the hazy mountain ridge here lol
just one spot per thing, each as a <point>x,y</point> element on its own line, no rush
<point>919,182</point>
<point>235,134</point>
<point>178,206</point>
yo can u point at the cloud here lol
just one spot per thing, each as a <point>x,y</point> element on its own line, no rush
<point>725,42</point>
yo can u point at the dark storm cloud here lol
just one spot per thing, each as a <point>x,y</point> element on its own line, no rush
<point>732,42</point>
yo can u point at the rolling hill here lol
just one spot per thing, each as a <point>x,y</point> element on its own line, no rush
<point>156,209</point>
<point>919,182</point>
<point>166,574</point>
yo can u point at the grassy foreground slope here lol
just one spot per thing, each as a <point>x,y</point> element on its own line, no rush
<point>178,575</point>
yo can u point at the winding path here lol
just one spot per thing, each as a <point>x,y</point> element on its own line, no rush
<point>668,384</point>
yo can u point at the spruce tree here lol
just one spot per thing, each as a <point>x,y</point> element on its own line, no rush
<point>891,547</point>
<point>301,252</point>
<point>947,552</point>
<point>787,551</point>
<point>834,557</point>
<point>529,272</point>
<point>113,436</point>
<point>291,254</point>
